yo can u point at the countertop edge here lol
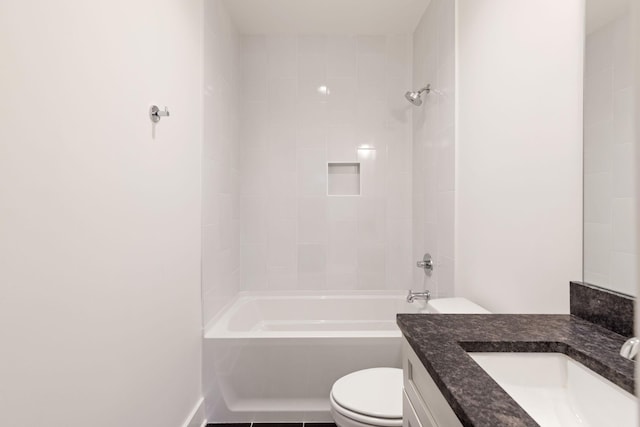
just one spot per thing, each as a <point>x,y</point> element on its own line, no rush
<point>453,339</point>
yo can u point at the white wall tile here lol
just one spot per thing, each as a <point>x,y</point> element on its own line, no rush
<point>312,220</point>
<point>445,155</point>
<point>229,59</point>
<point>446,279</point>
<point>342,93</point>
<point>312,281</point>
<point>371,281</point>
<point>371,45</point>
<point>598,96</point>
<point>255,136</point>
<point>599,50</point>
<point>253,170</point>
<point>623,174</point>
<point>623,116</point>
<point>622,53</point>
<point>290,131</point>
<point>311,114</point>
<point>597,255</point>
<point>610,187</point>
<point>399,268</point>
<point>342,209</point>
<point>312,90</point>
<point>312,137</point>
<point>312,67</point>
<point>312,259</point>
<point>283,98</point>
<point>624,271</point>
<point>343,248</point>
<point>312,172</point>
<point>209,252</point>
<point>312,45</point>
<point>341,57</point>
<point>255,71</point>
<point>433,160</point>
<point>399,150</point>
<point>282,279</point>
<point>372,259</point>
<point>597,197</point>
<point>341,144</point>
<point>399,58</point>
<point>339,117</point>
<point>399,196</point>
<point>446,215</point>
<point>282,207</point>
<point>253,221</point>
<point>597,158</point>
<point>282,244</point>
<point>599,133</point>
<point>373,169</point>
<point>227,224</point>
<point>254,267</point>
<point>283,61</point>
<point>624,225</point>
<point>371,220</point>
<point>342,281</point>
<point>371,70</point>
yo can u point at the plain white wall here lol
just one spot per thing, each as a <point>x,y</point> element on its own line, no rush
<point>519,153</point>
<point>434,147</point>
<point>293,235</point>
<point>100,313</point>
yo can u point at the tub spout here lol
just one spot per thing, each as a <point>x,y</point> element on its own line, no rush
<point>412,296</point>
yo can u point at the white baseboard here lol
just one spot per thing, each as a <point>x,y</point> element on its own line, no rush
<point>196,417</point>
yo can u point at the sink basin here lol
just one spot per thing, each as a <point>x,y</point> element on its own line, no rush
<point>558,391</point>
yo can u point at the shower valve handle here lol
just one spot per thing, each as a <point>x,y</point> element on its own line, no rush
<point>426,264</point>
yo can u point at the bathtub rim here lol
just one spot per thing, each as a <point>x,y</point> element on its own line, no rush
<point>216,327</point>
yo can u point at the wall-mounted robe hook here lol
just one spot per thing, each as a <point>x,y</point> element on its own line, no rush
<point>155,113</point>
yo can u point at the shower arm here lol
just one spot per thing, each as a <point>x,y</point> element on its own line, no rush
<point>426,89</point>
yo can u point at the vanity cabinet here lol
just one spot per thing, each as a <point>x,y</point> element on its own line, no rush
<point>423,403</point>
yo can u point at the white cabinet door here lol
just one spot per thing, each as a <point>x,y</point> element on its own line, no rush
<point>430,406</point>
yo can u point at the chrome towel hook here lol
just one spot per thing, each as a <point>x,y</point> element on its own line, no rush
<point>155,113</point>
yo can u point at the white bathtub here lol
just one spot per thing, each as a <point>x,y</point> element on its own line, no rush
<point>274,357</point>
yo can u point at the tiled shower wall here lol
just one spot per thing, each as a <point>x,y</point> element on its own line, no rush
<point>220,214</point>
<point>307,101</point>
<point>610,243</point>
<point>434,147</point>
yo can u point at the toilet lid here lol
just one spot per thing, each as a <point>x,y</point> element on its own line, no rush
<point>374,392</point>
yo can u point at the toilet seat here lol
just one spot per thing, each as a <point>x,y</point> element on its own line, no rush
<point>371,396</point>
<point>360,419</point>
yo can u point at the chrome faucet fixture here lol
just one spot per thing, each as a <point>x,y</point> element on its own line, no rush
<point>415,97</point>
<point>426,264</point>
<point>412,296</point>
<point>630,348</point>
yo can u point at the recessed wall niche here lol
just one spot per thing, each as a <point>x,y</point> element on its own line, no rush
<point>343,179</point>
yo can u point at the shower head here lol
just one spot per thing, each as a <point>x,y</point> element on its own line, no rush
<point>415,97</point>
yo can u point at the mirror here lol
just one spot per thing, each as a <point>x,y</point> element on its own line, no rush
<point>610,238</point>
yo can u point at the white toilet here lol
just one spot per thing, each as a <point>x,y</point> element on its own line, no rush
<point>373,397</point>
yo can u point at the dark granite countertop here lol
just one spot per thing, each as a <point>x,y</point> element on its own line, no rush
<point>442,341</point>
